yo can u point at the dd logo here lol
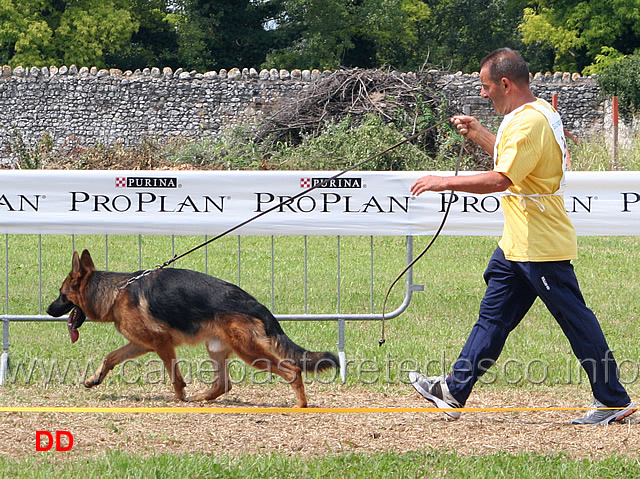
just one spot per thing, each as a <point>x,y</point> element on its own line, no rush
<point>46,443</point>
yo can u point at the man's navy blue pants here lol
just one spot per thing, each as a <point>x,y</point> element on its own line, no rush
<point>512,288</point>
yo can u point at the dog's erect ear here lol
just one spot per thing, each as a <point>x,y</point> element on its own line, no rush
<point>75,264</point>
<point>81,265</point>
<point>86,261</point>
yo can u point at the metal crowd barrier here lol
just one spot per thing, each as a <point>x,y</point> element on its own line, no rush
<point>304,315</point>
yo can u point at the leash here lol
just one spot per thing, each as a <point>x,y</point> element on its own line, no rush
<point>283,203</point>
<point>417,258</point>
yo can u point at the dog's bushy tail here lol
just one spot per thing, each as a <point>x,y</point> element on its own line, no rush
<point>308,361</point>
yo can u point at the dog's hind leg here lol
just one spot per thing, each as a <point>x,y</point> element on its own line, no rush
<point>257,353</point>
<point>219,352</point>
<point>167,354</point>
<point>128,351</point>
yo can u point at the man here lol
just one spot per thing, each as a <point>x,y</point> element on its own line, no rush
<point>538,242</point>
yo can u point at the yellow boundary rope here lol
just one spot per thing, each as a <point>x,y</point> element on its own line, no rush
<point>272,410</point>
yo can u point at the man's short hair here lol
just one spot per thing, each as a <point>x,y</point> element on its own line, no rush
<point>506,63</point>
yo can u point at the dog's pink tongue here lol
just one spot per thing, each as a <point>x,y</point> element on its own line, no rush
<point>74,333</point>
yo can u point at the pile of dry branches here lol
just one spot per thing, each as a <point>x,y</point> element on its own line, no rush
<point>400,98</point>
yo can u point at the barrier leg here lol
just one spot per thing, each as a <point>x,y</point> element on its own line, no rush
<point>4,366</point>
<point>4,358</point>
<point>341,354</point>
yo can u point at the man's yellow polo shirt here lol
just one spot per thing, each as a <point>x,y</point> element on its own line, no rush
<point>536,228</point>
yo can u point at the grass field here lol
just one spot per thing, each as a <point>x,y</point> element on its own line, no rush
<point>380,465</point>
<point>537,358</point>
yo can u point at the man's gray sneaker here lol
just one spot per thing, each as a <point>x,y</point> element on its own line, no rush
<point>600,414</point>
<point>434,389</point>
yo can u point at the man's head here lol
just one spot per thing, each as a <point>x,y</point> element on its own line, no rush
<point>506,63</point>
<point>505,80</point>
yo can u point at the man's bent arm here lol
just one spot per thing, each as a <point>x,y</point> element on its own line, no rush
<point>481,183</point>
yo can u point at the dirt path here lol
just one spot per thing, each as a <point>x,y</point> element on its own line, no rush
<point>310,434</point>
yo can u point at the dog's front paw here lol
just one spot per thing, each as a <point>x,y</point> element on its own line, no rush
<point>179,399</point>
<point>89,383</point>
<point>200,397</point>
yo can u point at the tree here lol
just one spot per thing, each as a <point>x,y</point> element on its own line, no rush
<point>462,32</point>
<point>54,32</point>
<point>402,44</point>
<point>622,78</point>
<point>318,33</point>
<point>24,32</point>
<point>91,28</point>
<point>404,34</point>
<point>155,43</point>
<point>578,29</point>
<point>215,34</point>
<point>328,34</point>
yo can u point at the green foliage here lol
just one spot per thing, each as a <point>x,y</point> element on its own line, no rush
<point>24,32</point>
<point>215,34</point>
<point>595,154</point>
<point>90,28</point>
<point>45,32</point>
<point>607,58</point>
<point>578,29</point>
<point>155,43</point>
<point>460,33</point>
<point>234,150</point>
<point>406,34</point>
<point>326,34</point>
<point>336,147</point>
<point>30,157</point>
<point>403,45</point>
<point>340,146</point>
<point>622,78</point>
<point>319,33</point>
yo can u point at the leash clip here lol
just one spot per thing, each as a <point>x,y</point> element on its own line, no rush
<point>146,272</point>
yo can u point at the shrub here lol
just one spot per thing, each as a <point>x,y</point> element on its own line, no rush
<point>622,79</point>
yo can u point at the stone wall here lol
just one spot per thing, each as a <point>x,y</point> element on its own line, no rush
<point>579,99</point>
<point>89,107</point>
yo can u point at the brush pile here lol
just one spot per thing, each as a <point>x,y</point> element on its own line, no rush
<point>351,95</point>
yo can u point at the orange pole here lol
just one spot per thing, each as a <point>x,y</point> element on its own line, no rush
<point>615,130</point>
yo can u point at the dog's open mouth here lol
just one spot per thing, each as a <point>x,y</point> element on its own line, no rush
<point>76,318</point>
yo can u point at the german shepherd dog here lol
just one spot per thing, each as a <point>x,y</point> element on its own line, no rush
<point>170,307</point>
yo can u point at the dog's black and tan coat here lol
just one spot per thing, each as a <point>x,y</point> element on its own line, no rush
<point>170,307</point>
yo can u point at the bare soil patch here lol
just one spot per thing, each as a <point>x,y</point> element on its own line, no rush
<point>310,434</point>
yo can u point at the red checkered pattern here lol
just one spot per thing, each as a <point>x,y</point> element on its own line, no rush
<point>305,182</point>
<point>121,182</point>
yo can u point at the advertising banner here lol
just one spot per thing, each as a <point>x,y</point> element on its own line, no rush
<point>357,203</point>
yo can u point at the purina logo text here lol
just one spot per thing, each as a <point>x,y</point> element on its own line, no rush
<point>145,182</point>
<point>331,182</point>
